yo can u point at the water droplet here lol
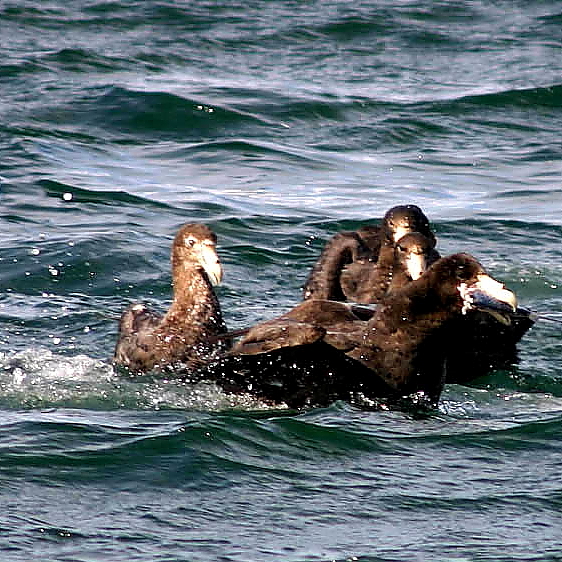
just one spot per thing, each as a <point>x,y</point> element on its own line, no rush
<point>67,196</point>
<point>18,375</point>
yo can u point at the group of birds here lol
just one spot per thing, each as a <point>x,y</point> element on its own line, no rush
<point>384,321</point>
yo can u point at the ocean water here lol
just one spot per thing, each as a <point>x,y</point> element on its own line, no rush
<point>278,124</point>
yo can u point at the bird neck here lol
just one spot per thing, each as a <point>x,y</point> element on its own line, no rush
<point>193,295</point>
<point>385,261</point>
<point>419,303</point>
<point>380,276</point>
<point>324,280</point>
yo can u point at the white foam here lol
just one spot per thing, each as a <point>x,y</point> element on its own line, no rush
<point>38,378</point>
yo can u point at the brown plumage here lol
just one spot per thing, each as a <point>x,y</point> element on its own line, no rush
<point>366,256</point>
<point>398,263</point>
<point>484,344</point>
<point>342,249</point>
<point>321,351</point>
<point>184,337</point>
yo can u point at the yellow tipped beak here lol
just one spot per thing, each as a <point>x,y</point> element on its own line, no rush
<point>496,291</point>
<point>211,263</point>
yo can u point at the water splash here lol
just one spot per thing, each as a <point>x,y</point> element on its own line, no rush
<point>39,378</point>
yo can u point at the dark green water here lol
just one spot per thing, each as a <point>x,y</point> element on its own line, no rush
<point>278,124</point>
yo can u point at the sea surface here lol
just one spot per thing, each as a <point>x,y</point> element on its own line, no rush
<point>278,124</point>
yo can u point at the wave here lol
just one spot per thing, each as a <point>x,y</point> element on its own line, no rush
<point>28,14</point>
<point>237,114</point>
<point>249,150</point>
<point>162,113</point>
<point>84,60</point>
<point>72,193</point>
<point>17,68</point>
<point>205,429</point>
<point>229,118</point>
<point>541,97</point>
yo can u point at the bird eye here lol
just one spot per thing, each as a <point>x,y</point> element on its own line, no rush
<point>189,242</point>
